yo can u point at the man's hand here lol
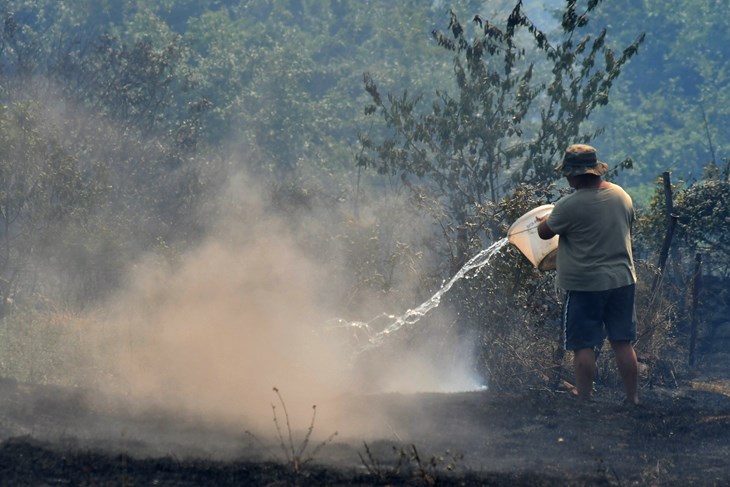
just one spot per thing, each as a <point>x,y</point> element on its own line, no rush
<point>543,230</point>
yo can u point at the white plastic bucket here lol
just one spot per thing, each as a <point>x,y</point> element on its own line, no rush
<point>523,235</point>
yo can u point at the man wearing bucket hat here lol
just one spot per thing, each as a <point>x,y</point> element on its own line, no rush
<point>595,268</point>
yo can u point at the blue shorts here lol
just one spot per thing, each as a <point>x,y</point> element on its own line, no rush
<point>591,316</point>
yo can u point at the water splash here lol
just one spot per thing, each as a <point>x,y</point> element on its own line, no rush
<point>364,330</point>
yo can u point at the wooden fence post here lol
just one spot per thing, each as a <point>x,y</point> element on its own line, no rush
<point>696,287</point>
<point>671,224</point>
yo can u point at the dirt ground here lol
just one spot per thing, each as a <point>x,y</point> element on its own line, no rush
<point>679,436</point>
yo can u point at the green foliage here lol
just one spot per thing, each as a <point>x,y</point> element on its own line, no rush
<point>704,209</point>
<point>520,101</point>
<point>106,147</point>
<point>671,111</point>
<point>703,220</point>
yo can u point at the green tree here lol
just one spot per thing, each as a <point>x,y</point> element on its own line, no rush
<point>671,112</point>
<point>521,99</point>
<point>703,220</point>
<point>129,116</point>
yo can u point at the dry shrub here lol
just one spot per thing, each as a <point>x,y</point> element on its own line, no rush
<point>514,312</point>
<point>521,334</point>
<point>658,344</point>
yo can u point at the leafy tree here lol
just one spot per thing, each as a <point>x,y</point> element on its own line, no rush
<point>703,220</point>
<point>129,116</point>
<point>671,112</point>
<point>521,99</point>
<point>705,212</point>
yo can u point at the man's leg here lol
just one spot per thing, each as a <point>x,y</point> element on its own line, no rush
<point>584,362</point>
<point>628,367</point>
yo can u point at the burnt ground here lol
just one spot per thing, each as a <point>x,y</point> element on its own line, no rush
<point>679,436</point>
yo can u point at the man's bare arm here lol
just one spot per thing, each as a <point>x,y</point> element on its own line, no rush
<point>544,231</point>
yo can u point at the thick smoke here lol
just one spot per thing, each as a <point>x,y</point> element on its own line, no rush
<point>211,334</point>
<point>208,332</point>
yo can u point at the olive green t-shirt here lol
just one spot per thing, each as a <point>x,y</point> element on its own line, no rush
<point>594,253</point>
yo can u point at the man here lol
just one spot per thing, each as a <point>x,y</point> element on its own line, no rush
<point>595,268</point>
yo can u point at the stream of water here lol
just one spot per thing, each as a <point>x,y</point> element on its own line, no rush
<point>369,338</point>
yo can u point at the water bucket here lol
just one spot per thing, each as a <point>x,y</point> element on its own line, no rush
<point>523,235</point>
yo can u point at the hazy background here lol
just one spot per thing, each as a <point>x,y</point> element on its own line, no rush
<point>189,218</point>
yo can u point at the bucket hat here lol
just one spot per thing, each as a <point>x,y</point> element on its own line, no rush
<point>581,159</point>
